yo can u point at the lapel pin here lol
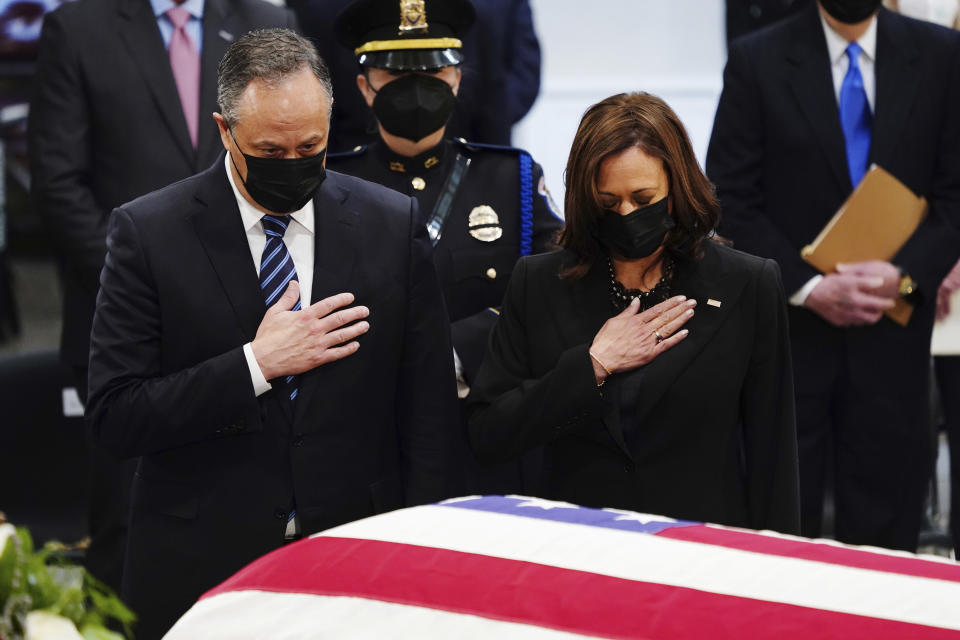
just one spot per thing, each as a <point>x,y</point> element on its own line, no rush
<point>226,35</point>
<point>713,303</point>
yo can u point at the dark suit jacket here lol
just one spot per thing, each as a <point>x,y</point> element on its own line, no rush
<point>778,159</point>
<point>106,126</point>
<point>219,467</point>
<point>712,435</point>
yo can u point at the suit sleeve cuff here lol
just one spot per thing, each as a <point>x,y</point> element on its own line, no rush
<point>800,296</point>
<point>260,384</point>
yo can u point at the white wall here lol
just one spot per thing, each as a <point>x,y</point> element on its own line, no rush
<point>596,48</point>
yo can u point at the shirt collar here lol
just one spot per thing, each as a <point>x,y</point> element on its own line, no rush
<point>837,45</point>
<point>251,215</point>
<point>195,7</point>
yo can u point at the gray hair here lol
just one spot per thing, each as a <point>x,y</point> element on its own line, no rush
<point>270,55</point>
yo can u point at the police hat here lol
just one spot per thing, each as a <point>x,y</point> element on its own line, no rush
<point>405,35</point>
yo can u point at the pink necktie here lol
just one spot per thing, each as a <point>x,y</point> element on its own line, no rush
<point>185,62</point>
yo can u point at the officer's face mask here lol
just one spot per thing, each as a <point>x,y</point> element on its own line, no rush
<point>850,11</point>
<point>282,185</point>
<point>414,106</point>
<point>637,234</point>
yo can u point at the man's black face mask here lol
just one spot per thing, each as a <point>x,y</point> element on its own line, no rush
<point>282,185</point>
<point>414,106</point>
<point>850,11</point>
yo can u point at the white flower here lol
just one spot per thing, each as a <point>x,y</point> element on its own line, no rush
<point>6,531</point>
<point>44,625</point>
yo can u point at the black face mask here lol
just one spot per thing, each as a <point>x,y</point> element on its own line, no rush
<point>414,106</point>
<point>637,234</point>
<point>282,185</point>
<point>850,11</point>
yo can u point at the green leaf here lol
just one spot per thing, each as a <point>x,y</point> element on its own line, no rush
<point>7,564</point>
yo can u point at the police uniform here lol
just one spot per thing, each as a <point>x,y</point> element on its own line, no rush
<point>484,206</point>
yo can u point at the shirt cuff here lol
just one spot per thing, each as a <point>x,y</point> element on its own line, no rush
<point>260,384</point>
<point>463,389</point>
<point>800,297</point>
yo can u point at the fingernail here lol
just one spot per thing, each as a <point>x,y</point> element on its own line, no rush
<point>684,332</point>
<point>688,312</point>
<point>680,298</point>
<point>691,303</point>
<point>634,302</point>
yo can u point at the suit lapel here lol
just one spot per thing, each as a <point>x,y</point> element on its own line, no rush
<point>336,234</point>
<point>897,80</point>
<point>220,229</point>
<point>702,282</point>
<point>139,33</point>
<point>811,80</point>
<point>218,33</point>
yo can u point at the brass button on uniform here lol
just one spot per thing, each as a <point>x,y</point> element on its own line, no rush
<point>419,184</point>
<point>492,273</point>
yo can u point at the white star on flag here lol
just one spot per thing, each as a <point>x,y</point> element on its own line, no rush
<point>642,518</point>
<point>541,503</point>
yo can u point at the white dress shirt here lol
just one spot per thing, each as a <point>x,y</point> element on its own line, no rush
<point>839,63</point>
<point>299,241</point>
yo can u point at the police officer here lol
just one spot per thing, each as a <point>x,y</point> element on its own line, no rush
<point>484,206</point>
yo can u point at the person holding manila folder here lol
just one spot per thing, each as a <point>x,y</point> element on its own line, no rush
<point>808,105</point>
<point>270,340</point>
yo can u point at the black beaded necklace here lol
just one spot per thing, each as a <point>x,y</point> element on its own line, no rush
<point>620,296</point>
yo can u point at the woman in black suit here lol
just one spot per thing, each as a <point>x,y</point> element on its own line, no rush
<point>642,401</point>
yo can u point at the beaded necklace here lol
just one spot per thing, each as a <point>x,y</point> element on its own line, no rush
<point>620,296</point>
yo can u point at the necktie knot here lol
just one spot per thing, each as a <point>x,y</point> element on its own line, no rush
<point>275,225</point>
<point>853,53</point>
<point>178,17</point>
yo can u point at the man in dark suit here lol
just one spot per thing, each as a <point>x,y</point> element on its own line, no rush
<point>107,124</point>
<point>226,355</point>
<point>807,105</point>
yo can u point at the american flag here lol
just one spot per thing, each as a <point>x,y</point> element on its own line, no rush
<point>520,567</point>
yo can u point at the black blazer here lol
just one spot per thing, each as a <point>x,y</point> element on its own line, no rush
<point>778,159</point>
<point>220,468</point>
<point>715,436</point>
<point>106,126</point>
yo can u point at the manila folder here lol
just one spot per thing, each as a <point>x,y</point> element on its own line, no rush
<point>873,224</point>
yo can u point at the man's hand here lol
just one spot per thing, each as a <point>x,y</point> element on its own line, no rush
<point>291,342</point>
<point>857,294</point>
<point>950,284</point>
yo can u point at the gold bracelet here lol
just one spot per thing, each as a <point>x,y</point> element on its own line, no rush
<point>602,366</point>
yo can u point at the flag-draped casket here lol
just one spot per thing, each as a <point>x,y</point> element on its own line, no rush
<point>516,567</point>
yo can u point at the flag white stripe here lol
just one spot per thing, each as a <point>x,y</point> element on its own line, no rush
<point>651,558</point>
<point>295,616</point>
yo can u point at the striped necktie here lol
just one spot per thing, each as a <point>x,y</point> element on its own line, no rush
<point>277,270</point>
<point>855,117</point>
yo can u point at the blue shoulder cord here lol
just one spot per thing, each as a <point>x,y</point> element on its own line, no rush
<point>526,204</point>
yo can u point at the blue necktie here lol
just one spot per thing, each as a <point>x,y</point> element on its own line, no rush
<point>855,117</point>
<point>277,270</point>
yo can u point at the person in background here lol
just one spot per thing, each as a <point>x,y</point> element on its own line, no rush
<point>649,360</point>
<point>123,93</point>
<point>807,106</point>
<point>270,341</point>
<point>484,207</point>
<point>500,82</point>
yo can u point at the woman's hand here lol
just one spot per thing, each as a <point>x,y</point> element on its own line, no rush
<point>629,339</point>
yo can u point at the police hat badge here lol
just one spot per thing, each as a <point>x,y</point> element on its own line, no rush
<point>413,17</point>
<point>484,224</point>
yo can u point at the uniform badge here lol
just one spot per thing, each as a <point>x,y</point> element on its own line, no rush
<point>413,17</point>
<point>485,224</point>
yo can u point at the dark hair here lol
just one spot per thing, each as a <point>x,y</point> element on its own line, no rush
<point>614,125</point>
<point>270,55</point>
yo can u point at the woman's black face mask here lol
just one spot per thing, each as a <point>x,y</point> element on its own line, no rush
<point>282,185</point>
<point>637,234</point>
<point>414,106</point>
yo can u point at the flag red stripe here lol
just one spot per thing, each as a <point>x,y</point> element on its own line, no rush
<point>808,550</point>
<point>544,595</point>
